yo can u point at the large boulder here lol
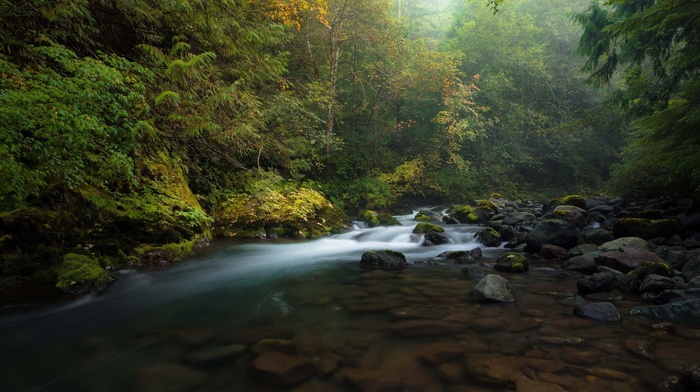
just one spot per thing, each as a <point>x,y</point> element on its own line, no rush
<point>282,369</point>
<point>595,235</point>
<point>384,259</point>
<point>572,214</point>
<point>552,231</point>
<point>465,214</point>
<point>493,288</point>
<point>627,258</point>
<point>490,237</point>
<point>512,262</point>
<point>598,282</point>
<point>374,219</point>
<point>632,242</point>
<point>686,308</point>
<point>646,228</point>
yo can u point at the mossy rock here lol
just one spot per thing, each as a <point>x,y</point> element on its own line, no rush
<point>490,237</point>
<point>387,220</point>
<point>424,228</point>
<point>487,205</point>
<point>384,259</point>
<point>512,262</point>
<point>465,214</point>
<point>646,228</point>
<point>79,273</point>
<point>303,212</point>
<point>371,218</point>
<point>571,200</point>
<point>422,216</point>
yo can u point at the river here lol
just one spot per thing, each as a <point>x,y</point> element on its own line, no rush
<point>198,325</point>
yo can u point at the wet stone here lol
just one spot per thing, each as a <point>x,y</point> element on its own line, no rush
<point>282,369</point>
<point>493,288</point>
<point>168,377</point>
<point>437,353</point>
<point>425,327</point>
<point>214,355</point>
<point>419,312</point>
<point>368,307</point>
<point>599,311</point>
<point>641,348</point>
<point>451,373</point>
<point>494,369</point>
<point>527,385</point>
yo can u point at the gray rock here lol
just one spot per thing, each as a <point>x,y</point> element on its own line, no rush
<point>493,288</point>
<point>583,263</point>
<point>473,271</point>
<point>552,231</point>
<point>283,369</point>
<point>386,259</point>
<point>599,311</point>
<point>687,309</point>
<point>626,259</point>
<point>657,283</point>
<point>600,281</point>
<point>512,262</point>
<point>595,235</point>
<point>625,241</point>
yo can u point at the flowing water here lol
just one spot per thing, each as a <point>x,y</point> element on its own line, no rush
<point>198,326</point>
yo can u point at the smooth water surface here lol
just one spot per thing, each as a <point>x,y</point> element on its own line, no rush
<point>198,326</point>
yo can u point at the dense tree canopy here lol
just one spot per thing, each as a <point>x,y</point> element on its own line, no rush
<point>650,51</point>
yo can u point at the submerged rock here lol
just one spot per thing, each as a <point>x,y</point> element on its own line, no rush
<point>283,369</point>
<point>493,288</point>
<point>599,311</point>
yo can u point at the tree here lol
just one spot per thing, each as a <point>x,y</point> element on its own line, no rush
<point>655,48</point>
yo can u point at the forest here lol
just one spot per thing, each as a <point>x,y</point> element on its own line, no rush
<point>135,130</point>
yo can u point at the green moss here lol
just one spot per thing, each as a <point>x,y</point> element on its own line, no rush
<point>78,273</point>
<point>572,200</point>
<point>422,216</point>
<point>387,220</point>
<point>465,214</point>
<point>301,211</point>
<point>371,218</point>
<point>645,228</point>
<point>487,205</point>
<point>512,262</point>
<point>424,227</point>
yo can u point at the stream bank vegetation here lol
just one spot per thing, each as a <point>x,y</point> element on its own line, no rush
<point>134,131</point>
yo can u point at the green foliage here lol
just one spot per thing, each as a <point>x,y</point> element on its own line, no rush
<point>653,47</point>
<point>69,121</point>
<point>78,273</point>
<point>271,202</point>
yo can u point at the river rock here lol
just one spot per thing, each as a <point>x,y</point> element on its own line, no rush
<point>474,271</point>
<point>691,269</point>
<point>386,259</point>
<point>512,262</point>
<point>527,385</point>
<point>493,288</point>
<point>435,239</point>
<point>641,348</point>
<point>214,355</point>
<point>633,242</point>
<point>595,235</point>
<point>493,369</point>
<point>282,369</point>
<point>646,228</point>
<point>682,309</point>
<point>600,281</point>
<point>552,231</point>
<point>549,251</point>
<point>490,237</point>
<point>658,283</point>
<point>626,259</point>
<point>584,264</point>
<point>599,311</point>
<point>689,379</point>
<point>425,327</point>
<point>572,214</point>
<point>168,377</point>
